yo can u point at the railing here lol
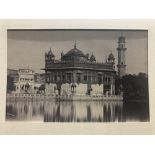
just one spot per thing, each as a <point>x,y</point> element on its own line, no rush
<point>66,97</point>
<point>29,95</point>
<point>90,97</point>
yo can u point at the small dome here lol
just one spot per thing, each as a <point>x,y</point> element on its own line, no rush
<point>92,58</point>
<point>111,56</point>
<point>121,39</point>
<point>50,53</point>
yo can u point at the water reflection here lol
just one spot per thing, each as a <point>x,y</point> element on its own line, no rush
<point>76,111</point>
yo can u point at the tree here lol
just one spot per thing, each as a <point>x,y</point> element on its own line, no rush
<point>135,96</point>
<point>135,85</point>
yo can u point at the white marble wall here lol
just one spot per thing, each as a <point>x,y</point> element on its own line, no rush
<point>50,88</point>
<point>97,89</point>
<point>66,89</point>
<point>81,89</point>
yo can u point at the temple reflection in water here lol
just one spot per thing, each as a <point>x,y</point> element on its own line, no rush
<point>75,111</point>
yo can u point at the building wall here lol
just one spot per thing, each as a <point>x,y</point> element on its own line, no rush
<point>78,76</point>
<point>22,78</point>
<point>84,80</point>
<point>26,81</point>
<point>97,89</point>
<point>51,88</point>
<point>81,89</point>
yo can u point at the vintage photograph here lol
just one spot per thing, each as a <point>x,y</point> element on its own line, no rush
<point>77,75</point>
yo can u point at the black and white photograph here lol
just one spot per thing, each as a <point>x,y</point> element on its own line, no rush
<point>77,75</point>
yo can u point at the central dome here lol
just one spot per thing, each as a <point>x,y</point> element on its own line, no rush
<point>75,54</point>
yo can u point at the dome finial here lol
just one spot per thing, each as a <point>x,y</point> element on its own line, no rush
<point>75,45</point>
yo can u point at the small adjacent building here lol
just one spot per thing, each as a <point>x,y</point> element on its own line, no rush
<point>24,80</point>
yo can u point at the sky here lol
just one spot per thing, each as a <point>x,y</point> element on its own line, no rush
<point>27,48</point>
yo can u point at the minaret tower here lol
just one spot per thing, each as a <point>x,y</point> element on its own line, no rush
<point>121,56</point>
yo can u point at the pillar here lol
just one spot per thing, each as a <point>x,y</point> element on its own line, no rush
<point>111,89</point>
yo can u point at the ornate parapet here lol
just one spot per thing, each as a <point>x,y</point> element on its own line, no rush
<point>77,97</point>
<point>71,64</point>
<point>90,98</point>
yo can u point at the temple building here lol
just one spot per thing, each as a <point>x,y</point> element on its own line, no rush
<point>81,74</point>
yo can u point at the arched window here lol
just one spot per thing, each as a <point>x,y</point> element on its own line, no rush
<point>55,78</point>
<point>85,78</point>
<point>99,79</point>
<point>78,78</point>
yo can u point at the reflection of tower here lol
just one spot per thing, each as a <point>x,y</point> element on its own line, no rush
<point>121,56</point>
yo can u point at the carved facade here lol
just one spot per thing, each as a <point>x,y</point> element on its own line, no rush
<point>78,73</point>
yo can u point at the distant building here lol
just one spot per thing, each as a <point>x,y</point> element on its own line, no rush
<point>24,81</point>
<point>79,73</point>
